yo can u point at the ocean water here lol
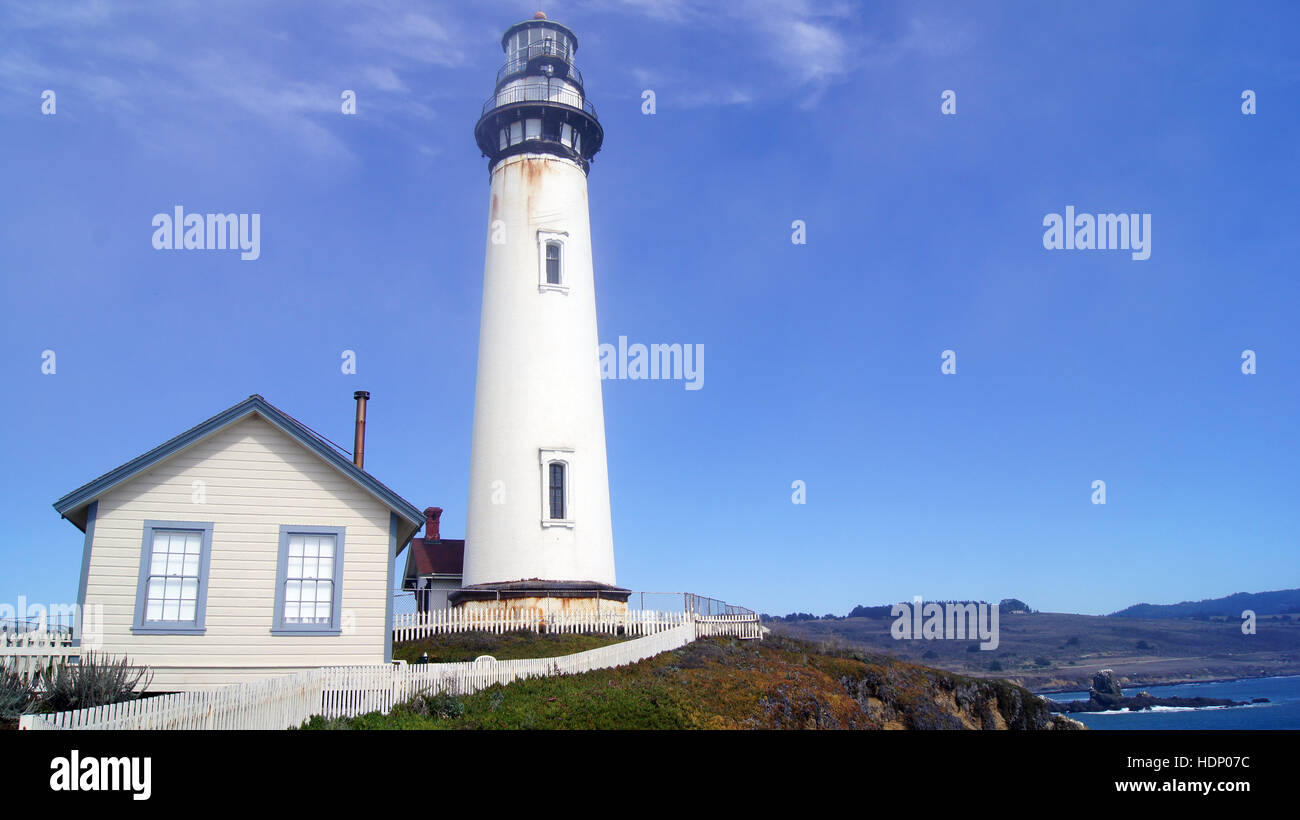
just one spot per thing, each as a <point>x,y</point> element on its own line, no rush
<point>1281,712</point>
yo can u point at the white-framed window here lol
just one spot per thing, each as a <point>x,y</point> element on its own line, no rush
<point>532,128</point>
<point>516,132</point>
<point>172,588</point>
<point>557,486</point>
<point>171,595</point>
<point>309,577</point>
<point>551,253</point>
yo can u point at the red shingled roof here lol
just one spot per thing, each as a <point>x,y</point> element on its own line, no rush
<point>443,557</point>
<point>433,554</point>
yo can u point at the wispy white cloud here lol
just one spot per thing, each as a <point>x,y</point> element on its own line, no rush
<point>807,46</point>
<point>397,29</point>
<point>195,73</point>
<point>177,68</point>
<point>383,78</point>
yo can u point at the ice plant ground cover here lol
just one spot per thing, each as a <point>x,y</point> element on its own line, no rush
<point>725,683</point>
<point>466,646</point>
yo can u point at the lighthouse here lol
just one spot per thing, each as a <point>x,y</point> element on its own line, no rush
<point>538,529</point>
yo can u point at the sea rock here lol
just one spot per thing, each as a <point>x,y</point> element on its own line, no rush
<point>1106,690</point>
<point>1106,696</point>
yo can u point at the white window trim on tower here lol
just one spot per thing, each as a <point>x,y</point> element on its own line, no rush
<point>545,458</point>
<point>544,238</point>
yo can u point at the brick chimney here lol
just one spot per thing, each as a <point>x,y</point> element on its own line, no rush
<point>431,516</point>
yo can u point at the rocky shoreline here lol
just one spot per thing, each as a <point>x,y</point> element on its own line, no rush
<point>1057,690</point>
<point>1106,695</point>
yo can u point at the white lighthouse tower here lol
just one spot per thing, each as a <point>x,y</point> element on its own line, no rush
<point>538,530</point>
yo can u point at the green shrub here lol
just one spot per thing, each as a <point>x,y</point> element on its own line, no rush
<point>319,722</point>
<point>17,695</point>
<point>441,705</point>
<point>97,680</point>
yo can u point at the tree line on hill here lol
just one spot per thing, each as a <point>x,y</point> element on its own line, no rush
<point>1006,606</point>
<point>1279,602</point>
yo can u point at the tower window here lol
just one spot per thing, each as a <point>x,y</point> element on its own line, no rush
<point>557,487</point>
<point>557,490</point>
<point>552,263</point>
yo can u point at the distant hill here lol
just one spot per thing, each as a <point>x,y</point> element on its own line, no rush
<point>1281,602</point>
<point>1057,651</point>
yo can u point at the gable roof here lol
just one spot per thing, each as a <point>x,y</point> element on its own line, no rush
<point>445,556</point>
<point>71,506</point>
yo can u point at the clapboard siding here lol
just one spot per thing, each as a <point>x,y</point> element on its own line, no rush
<point>255,479</point>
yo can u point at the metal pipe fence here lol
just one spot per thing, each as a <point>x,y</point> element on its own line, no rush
<point>546,48</point>
<point>552,90</point>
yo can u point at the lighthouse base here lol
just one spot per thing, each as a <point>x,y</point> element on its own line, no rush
<point>552,601</point>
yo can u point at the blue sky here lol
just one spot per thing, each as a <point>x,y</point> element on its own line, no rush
<point>822,361</point>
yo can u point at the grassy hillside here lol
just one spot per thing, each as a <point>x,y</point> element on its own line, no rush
<point>721,683</point>
<point>1059,651</point>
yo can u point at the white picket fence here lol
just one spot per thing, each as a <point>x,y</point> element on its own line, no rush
<point>415,625</point>
<point>35,654</point>
<point>351,691</point>
<point>272,703</point>
<point>347,691</point>
<point>737,626</point>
